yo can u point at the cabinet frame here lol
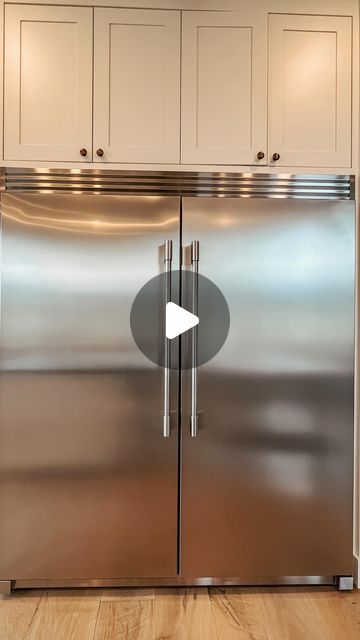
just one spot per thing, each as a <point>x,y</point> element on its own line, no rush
<point>316,7</point>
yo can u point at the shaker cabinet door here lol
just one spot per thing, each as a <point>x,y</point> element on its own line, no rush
<point>48,83</point>
<point>137,86</point>
<point>310,90</point>
<point>224,87</point>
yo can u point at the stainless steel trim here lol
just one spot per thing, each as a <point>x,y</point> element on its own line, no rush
<point>167,416</point>
<point>346,583</point>
<point>194,338</point>
<point>186,183</point>
<point>178,581</point>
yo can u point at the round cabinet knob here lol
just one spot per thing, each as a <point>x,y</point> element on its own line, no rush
<point>83,152</point>
<point>260,155</point>
<point>276,156</point>
<point>100,153</point>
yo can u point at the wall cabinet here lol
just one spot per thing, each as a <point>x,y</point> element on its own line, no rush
<point>310,90</point>
<point>137,85</point>
<point>105,85</point>
<point>49,76</point>
<point>223,87</point>
<point>48,83</point>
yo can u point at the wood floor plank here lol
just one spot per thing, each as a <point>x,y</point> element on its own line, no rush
<point>289,616</point>
<point>138,593</point>
<point>16,614</point>
<point>236,617</point>
<point>65,615</point>
<point>338,616</point>
<point>126,620</point>
<point>296,614</point>
<point>351,605</point>
<point>183,614</point>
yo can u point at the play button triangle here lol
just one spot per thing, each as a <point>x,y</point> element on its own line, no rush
<point>178,320</point>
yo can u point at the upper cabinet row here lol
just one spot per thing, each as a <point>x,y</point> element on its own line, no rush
<point>197,87</point>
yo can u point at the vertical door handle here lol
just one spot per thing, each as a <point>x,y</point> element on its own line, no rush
<point>168,250</point>
<point>194,338</point>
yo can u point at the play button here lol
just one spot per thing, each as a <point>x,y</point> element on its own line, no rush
<point>178,320</point>
<point>165,311</point>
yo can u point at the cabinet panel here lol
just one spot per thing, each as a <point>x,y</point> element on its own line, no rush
<point>267,470</point>
<point>223,87</point>
<point>310,90</point>
<point>48,83</point>
<point>83,463</point>
<point>137,85</point>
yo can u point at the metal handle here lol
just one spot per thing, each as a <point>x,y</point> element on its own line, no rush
<point>260,155</point>
<point>194,338</point>
<point>100,153</point>
<point>83,152</point>
<point>168,250</point>
<point>276,157</point>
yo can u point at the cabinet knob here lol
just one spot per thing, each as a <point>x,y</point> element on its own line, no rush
<point>260,155</point>
<point>100,153</point>
<point>83,152</point>
<point>276,156</point>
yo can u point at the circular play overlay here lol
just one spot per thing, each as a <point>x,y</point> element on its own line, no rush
<point>197,295</point>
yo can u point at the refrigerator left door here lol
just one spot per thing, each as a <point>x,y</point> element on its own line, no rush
<point>88,483</point>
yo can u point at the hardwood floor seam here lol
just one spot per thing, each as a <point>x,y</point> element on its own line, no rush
<point>28,630</point>
<point>97,616</point>
<point>212,614</point>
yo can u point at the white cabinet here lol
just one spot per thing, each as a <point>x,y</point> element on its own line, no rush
<point>152,86</point>
<point>137,85</point>
<point>49,113</point>
<point>224,87</point>
<point>310,90</point>
<point>48,83</point>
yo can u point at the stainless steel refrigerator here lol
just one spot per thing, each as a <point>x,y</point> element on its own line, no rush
<point>91,492</point>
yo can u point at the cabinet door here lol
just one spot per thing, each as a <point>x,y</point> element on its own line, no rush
<point>223,87</point>
<point>48,83</point>
<point>136,91</point>
<point>310,90</point>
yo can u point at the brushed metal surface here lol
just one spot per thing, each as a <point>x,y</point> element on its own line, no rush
<point>177,582</point>
<point>88,484</point>
<point>168,256</point>
<point>191,183</point>
<point>195,249</point>
<point>267,484</point>
<point>346,583</point>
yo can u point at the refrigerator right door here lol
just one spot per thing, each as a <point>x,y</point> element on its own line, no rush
<point>267,483</point>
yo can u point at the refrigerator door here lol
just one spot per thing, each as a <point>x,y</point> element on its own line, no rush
<point>267,483</point>
<point>89,485</point>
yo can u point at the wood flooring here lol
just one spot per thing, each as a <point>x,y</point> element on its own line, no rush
<point>181,614</point>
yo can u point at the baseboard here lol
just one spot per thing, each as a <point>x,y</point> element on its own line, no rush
<point>357,571</point>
